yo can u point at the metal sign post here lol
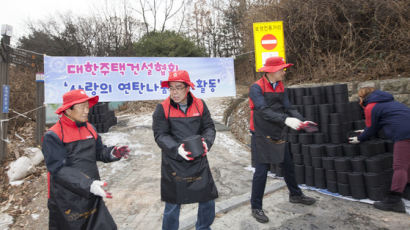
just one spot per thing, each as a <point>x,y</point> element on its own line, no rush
<point>269,41</point>
<point>4,82</point>
<point>19,57</point>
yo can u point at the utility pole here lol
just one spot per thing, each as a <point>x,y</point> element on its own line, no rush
<point>6,32</point>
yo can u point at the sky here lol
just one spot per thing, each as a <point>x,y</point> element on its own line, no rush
<point>18,13</point>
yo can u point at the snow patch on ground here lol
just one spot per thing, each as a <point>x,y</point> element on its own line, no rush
<point>124,138</point>
<point>218,118</point>
<point>229,142</point>
<point>142,120</point>
<point>16,183</point>
<point>112,168</point>
<point>123,164</point>
<point>130,138</point>
<point>5,221</point>
<point>217,107</point>
<point>35,216</point>
<point>115,138</point>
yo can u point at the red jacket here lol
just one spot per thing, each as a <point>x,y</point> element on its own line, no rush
<point>71,151</point>
<point>269,108</point>
<point>182,181</point>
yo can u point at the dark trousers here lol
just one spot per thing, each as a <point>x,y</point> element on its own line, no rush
<point>401,166</point>
<point>205,218</point>
<point>260,175</point>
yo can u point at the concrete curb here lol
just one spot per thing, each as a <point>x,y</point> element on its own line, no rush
<point>228,205</point>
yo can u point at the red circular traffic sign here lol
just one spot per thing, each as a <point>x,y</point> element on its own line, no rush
<point>269,41</point>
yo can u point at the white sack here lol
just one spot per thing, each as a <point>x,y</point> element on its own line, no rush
<point>20,168</point>
<point>35,155</point>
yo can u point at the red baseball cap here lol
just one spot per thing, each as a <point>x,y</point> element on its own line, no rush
<point>274,64</point>
<point>179,76</point>
<point>76,97</point>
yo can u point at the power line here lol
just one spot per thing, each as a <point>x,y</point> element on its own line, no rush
<point>22,114</point>
<point>234,56</point>
<point>29,51</point>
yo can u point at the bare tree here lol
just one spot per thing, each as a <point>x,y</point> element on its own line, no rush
<point>215,25</point>
<point>170,13</point>
<point>107,33</point>
<point>154,12</point>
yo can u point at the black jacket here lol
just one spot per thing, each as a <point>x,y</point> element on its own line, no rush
<point>383,112</point>
<point>184,181</point>
<point>269,109</point>
<point>71,151</point>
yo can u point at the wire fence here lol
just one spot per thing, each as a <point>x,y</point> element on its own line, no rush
<point>5,139</point>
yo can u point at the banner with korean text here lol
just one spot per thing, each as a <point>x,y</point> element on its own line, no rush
<point>134,78</point>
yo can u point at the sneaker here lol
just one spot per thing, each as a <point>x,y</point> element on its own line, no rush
<point>302,199</point>
<point>392,202</point>
<point>259,215</point>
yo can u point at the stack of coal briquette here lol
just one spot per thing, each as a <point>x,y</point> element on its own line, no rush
<point>325,159</point>
<point>101,117</point>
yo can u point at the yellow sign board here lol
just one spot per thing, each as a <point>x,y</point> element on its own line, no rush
<point>269,41</point>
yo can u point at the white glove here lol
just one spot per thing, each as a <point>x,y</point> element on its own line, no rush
<point>293,123</point>
<point>96,189</point>
<point>359,131</point>
<point>205,147</point>
<point>184,154</point>
<point>353,140</point>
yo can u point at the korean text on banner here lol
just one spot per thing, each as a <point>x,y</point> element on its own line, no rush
<point>134,78</point>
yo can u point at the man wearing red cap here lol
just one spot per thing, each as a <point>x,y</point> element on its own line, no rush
<point>71,148</point>
<point>270,113</point>
<point>184,179</point>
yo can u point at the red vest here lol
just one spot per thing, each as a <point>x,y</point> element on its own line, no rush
<point>70,132</point>
<point>266,87</point>
<point>193,110</point>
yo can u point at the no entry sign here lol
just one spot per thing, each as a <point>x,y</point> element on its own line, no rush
<point>269,42</point>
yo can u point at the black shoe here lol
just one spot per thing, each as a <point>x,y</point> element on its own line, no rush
<point>302,199</point>
<point>392,202</point>
<point>260,215</point>
<point>406,192</point>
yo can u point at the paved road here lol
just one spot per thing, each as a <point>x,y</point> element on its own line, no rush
<point>135,183</point>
